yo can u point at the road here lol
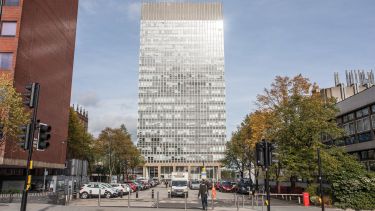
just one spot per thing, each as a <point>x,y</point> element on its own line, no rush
<point>145,202</point>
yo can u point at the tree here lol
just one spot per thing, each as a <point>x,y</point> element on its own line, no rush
<point>300,117</point>
<point>79,140</point>
<point>12,111</point>
<point>117,152</point>
<point>238,153</point>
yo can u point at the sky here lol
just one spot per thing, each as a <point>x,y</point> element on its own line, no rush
<point>263,39</point>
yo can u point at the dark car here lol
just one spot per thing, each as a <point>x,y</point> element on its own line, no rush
<point>244,186</point>
<point>227,186</point>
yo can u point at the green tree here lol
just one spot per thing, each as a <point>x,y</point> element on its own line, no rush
<point>117,152</point>
<point>12,111</point>
<point>299,119</point>
<point>238,153</point>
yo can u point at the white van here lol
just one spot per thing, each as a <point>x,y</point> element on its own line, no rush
<point>179,184</point>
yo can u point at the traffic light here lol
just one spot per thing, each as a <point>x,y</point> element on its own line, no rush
<point>32,94</point>
<point>26,130</point>
<point>273,155</point>
<point>266,153</point>
<point>44,135</point>
<point>1,131</point>
<point>259,153</point>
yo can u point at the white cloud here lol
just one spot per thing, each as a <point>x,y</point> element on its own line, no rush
<point>88,99</point>
<point>112,113</point>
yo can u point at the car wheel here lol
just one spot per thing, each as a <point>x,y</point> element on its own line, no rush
<point>84,195</point>
<point>107,195</point>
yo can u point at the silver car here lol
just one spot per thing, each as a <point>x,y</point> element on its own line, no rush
<point>194,185</point>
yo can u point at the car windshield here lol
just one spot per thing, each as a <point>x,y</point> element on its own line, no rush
<point>179,183</point>
<point>226,183</point>
<point>195,182</point>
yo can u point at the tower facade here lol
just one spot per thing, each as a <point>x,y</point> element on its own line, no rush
<point>181,108</point>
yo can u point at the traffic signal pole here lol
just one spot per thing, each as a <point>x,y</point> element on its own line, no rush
<point>267,159</point>
<point>320,179</point>
<point>30,140</point>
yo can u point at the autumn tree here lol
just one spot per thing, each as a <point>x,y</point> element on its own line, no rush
<point>12,110</point>
<point>80,142</point>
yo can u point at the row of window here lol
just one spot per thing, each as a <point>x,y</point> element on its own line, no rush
<point>8,28</point>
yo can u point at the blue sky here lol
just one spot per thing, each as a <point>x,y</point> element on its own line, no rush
<point>263,38</point>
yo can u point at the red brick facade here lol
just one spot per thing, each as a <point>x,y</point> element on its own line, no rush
<point>44,53</point>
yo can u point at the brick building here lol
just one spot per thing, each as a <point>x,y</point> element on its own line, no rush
<point>37,40</point>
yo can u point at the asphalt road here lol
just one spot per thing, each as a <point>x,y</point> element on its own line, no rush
<point>145,202</point>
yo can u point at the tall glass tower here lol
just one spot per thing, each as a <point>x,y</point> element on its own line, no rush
<point>181,110</point>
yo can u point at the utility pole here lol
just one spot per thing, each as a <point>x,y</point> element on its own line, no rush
<point>320,179</point>
<point>32,102</point>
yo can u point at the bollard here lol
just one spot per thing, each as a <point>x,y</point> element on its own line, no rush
<point>243,201</point>
<point>235,197</point>
<point>169,194</point>
<point>252,202</point>
<point>129,199</point>
<point>99,197</point>
<point>152,193</point>
<point>90,194</point>
<point>212,202</point>
<point>299,200</point>
<point>185,200</point>
<point>157,199</point>
<point>238,208</point>
<point>136,194</point>
<point>262,202</point>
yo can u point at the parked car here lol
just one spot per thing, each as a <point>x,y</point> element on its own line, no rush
<point>93,190</point>
<point>243,186</point>
<point>132,186</point>
<point>156,180</point>
<point>227,186</point>
<point>194,185</point>
<point>121,188</point>
<point>218,185</point>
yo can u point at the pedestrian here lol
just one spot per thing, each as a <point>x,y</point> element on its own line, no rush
<point>166,184</point>
<point>203,193</point>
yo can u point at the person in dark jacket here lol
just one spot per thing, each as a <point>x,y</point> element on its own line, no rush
<point>203,193</point>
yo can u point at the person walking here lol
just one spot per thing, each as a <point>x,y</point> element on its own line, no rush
<point>203,193</point>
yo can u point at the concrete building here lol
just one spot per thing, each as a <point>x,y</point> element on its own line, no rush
<point>356,103</point>
<point>37,41</point>
<point>181,110</point>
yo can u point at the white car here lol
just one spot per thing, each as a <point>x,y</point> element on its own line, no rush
<point>93,190</point>
<point>122,188</point>
<point>127,188</point>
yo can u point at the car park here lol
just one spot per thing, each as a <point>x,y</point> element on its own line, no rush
<point>93,189</point>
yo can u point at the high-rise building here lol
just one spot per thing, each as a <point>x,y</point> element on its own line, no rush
<point>181,110</point>
<point>37,41</point>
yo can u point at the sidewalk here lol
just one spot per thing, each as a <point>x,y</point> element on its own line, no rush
<point>49,207</point>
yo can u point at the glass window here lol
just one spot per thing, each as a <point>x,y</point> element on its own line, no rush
<point>373,121</point>
<point>363,124</point>
<point>6,61</point>
<point>373,108</point>
<point>11,2</point>
<point>364,137</point>
<point>8,28</point>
